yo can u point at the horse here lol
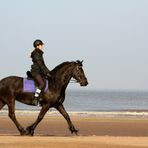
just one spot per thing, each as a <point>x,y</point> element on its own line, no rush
<point>11,89</point>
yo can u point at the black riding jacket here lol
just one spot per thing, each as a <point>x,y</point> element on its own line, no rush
<point>38,66</point>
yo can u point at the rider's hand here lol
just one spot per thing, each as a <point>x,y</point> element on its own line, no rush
<point>48,75</point>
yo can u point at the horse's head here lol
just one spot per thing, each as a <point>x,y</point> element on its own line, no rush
<point>79,74</point>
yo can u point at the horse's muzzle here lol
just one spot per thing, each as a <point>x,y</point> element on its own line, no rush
<point>84,82</point>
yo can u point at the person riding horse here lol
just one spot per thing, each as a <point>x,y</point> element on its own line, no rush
<point>38,70</point>
<point>12,88</point>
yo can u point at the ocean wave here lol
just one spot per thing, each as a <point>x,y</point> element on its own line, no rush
<point>84,113</point>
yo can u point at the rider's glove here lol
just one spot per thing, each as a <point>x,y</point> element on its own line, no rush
<point>48,75</point>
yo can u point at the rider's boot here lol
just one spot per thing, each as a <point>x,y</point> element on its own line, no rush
<point>36,100</point>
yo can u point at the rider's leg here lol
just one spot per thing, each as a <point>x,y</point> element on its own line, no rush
<point>41,85</point>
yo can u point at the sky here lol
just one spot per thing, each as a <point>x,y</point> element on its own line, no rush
<point>111,36</point>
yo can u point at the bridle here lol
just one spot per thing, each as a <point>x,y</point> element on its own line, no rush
<point>73,81</point>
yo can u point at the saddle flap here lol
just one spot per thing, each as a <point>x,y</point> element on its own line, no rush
<point>29,85</point>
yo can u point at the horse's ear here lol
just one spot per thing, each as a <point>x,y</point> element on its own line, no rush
<point>78,61</point>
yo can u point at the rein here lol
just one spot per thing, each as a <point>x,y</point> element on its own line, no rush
<point>73,81</point>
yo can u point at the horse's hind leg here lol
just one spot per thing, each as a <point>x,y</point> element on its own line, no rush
<point>2,104</point>
<point>11,108</point>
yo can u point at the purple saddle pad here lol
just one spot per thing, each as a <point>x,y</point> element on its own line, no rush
<point>29,85</point>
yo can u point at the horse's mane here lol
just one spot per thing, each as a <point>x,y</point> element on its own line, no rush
<point>61,66</point>
<point>64,65</point>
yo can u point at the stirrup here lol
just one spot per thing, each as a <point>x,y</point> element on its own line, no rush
<point>35,101</point>
<point>40,101</point>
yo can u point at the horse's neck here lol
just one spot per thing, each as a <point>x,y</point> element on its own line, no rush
<point>64,75</point>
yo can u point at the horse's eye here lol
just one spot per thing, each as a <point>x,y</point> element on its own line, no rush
<point>79,67</point>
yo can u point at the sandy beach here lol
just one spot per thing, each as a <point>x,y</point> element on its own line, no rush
<point>94,132</point>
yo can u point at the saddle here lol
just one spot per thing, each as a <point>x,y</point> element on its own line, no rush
<point>29,85</point>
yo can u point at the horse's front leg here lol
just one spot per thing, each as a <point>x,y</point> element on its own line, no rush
<point>30,129</point>
<point>62,110</point>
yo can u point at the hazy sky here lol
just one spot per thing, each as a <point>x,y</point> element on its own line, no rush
<point>111,36</point>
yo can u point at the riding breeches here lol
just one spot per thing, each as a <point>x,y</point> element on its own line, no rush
<point>40,82</point>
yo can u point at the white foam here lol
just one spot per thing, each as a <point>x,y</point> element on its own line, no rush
<point>84,113</point>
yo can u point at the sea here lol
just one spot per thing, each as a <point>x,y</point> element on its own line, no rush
<point>100,103</point>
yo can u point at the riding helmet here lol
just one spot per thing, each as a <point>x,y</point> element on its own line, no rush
<point>37,43</point>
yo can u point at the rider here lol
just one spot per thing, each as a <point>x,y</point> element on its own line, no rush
<point>38,70</point>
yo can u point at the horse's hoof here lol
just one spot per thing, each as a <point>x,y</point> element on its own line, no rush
<point>23,133</point>
<point>29,131</point>
<point>73,130</point>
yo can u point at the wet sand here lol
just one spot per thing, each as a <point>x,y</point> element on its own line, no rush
<point>94,132</point>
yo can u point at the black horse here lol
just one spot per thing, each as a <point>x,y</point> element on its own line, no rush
<point>11,89</point>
